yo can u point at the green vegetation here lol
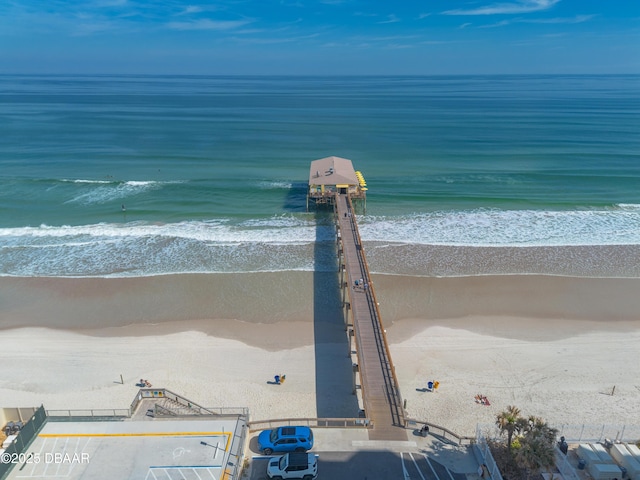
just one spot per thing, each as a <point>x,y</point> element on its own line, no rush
<point>530,446</point>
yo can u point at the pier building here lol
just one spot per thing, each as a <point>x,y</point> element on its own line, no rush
<point>335,175</point>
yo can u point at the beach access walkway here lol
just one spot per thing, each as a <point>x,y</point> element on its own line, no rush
<point>380,390</point>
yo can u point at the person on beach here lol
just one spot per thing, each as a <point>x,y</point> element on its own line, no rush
<point>277,379</point>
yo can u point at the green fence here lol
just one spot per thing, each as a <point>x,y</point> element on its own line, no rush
<point>14,453</point>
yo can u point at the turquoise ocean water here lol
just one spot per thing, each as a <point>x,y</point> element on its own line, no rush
<point>212,171</point>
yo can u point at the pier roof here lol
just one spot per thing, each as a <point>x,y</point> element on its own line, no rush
<point>332,171</point>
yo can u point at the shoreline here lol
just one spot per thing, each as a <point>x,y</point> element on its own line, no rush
<point>301,297</point>
<point>445,261</point>
<point>316,255</point>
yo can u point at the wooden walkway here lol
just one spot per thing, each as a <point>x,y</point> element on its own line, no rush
<point>380,391</point>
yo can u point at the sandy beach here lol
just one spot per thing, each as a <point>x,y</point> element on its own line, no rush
<point>554,346</point>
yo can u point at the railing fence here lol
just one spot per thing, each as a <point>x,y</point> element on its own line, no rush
<point>566,469</point>
<point>442,432</point>
<point>22,441</point>
<point>487,458</point>
<point>311,422</point>
<point>599,433</point>
<point>95,414</point>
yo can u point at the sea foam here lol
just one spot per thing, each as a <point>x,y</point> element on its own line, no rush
<point>618,225</point>
<point>295,242</point>
<point>104,191</point>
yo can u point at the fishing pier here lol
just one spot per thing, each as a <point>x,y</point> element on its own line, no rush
<point>333,181</point>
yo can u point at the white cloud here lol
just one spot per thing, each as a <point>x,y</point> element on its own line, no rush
<point>576,19</point>
<point>390,19</point>
<point>557,20</point>
<point>501,23</point>
<point>521,6</point>
<point>206,24</point>
<point>191,9</point>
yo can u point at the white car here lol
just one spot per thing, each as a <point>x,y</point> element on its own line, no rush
<point>293,465</point>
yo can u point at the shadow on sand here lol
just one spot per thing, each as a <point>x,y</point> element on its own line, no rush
<point>333,369</point>
<point>334,378</point>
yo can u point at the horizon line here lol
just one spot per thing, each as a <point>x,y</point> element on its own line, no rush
<point>308,75</point>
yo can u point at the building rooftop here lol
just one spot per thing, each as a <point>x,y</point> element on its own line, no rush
<point>165,449</point>
<point>332,171</point>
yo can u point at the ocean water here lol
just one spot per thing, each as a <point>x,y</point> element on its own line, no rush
<point>212,172</point>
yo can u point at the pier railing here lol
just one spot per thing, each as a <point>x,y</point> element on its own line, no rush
<point>341,247</point>
<point>311,422</point>
<point>372,301</point>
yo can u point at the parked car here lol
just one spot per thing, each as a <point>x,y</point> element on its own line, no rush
<point>293,465</point>
<point>285,439</point>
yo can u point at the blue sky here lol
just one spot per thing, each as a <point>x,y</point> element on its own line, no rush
<point>320,37</point>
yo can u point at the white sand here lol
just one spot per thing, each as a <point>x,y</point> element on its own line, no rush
<point>553,346</point>
<point>563,381</point>
<point>66,370</point>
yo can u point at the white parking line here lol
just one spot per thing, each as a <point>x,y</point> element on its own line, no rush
<point>417,467</point>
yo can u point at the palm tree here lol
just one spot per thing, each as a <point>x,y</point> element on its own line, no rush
<point>536,426</point>
<point>537,450</point>
<point>510,421</point>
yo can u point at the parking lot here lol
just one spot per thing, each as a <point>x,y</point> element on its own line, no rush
<point>159,450</point>
<point>349,455</point>
<point>371,465</point>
